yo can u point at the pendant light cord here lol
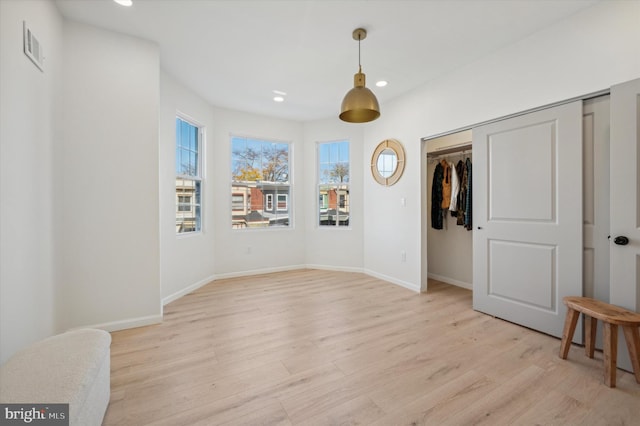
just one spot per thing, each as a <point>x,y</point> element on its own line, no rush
<point>359,65</point>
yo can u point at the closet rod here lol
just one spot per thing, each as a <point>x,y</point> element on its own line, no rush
<point>461,147</point>
<point>437,158</point>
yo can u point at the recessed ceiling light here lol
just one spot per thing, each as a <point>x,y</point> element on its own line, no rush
<point>278,99</point>
<point>124,2</point>
<point>382,83</point>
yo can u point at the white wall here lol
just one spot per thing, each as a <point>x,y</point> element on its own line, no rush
<point>390,227</point>
<point>270,249</point>
<point>187,261</point>
<point>329,247</point>
<point>108,183</point>
<point>589,51</point>
<point>27,139</point>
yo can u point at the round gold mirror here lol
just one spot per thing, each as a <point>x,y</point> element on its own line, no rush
<point>387,162</point>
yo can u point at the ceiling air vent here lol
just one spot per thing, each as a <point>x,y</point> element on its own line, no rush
<point>32,47</point>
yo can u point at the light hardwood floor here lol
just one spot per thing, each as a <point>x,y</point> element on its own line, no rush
<point>312,347</point>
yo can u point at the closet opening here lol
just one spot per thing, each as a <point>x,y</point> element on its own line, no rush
<point>448,221</point>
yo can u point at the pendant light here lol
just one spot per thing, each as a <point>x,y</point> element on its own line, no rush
<point>359,104</point>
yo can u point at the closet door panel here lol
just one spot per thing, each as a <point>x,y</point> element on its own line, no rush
<point>528,214</point>
<point>535,289</point>
<point>514,156</point>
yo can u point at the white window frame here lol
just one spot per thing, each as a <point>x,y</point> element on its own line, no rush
<point>269,202</point>
<point>237,227</point>
<point>197,178</point>
<point>320,207</point>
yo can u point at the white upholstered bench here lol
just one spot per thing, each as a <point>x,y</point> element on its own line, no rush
<point>72,367</point>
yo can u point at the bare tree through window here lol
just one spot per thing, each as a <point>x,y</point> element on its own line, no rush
<point>260,175</point>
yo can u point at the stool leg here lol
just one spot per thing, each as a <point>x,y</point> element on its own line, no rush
<point>632,336</point>
<point>590,335</point>
<point>610,353</point>
<point>567,333</point>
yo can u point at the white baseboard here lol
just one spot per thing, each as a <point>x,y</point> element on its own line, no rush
<point>392,280</point>
<point>468,286</point>
<point>128,323</point>
<point>259,271</point>
<point>323,267</point>
<point>335,268</point>
<point>193,287</point>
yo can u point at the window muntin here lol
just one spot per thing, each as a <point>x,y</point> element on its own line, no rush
<point>188,177</point>
<point>260,173</point>
<point>333,183</point>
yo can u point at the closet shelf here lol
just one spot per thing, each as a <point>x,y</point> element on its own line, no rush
<point>450,150</point>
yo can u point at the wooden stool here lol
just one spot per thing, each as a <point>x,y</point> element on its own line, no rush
<point>612,316</point>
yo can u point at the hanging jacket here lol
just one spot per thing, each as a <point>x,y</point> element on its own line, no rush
<point>436,197</point>
<point>468,213</point>
<point>462,196</point>
<point>446,184</point>
<point>455,189</point>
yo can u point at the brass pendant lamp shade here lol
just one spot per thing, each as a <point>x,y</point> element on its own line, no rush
<point>359,104</point>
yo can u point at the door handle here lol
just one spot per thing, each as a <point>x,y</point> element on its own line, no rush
<point>621,240</point>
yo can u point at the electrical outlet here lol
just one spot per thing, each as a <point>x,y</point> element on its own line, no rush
<point>248,250</point>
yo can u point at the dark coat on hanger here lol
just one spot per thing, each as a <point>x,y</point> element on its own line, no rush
<point>436,197</point>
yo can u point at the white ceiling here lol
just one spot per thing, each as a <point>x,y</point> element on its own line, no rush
<point>234,53</point>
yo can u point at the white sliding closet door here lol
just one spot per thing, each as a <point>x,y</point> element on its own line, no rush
<point>595,152</point>
<point>527,212</point>
<point>625,203</point>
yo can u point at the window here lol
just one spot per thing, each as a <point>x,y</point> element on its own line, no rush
<point>333,184</point>
<point>188,177</point>
<point>184,203</point>
<point>238,203</point>
<point>260,173</point>
<point>282,202</point>
<point>324,201</point>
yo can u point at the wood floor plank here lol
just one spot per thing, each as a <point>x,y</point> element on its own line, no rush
<point>323,398</point>
<point>324,347</point>
<point>193,407</point>
<point>436,405</point>
<point>506,403</point>
<point>556,408</point>
<point>358,411</point>
<point>272,414</point>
